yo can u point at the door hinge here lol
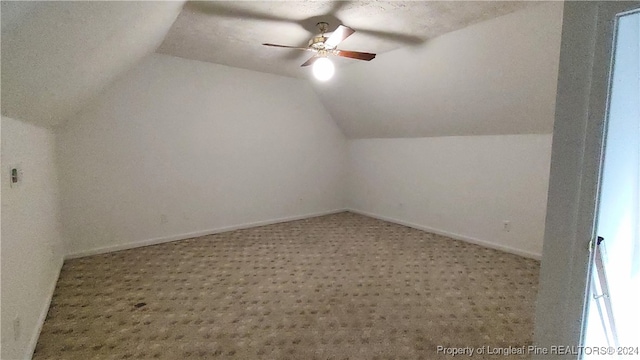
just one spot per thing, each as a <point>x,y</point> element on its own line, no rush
<point>593,244</point>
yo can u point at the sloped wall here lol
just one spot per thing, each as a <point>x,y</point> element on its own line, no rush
<point>454,136</point>
<point>180,148</point>
<point>57,55</point>
<point>31,235</point>
<point>496,77</point>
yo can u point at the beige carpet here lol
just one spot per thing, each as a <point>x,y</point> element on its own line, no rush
<point>341,286</point>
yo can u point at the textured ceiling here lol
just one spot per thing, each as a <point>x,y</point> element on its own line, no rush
<point>57,55</point>
<point>231,32</point>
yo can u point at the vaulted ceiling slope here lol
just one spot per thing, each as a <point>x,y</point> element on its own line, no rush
<point>231,32</point>
<point>56,56</point>
<point>491,78</point>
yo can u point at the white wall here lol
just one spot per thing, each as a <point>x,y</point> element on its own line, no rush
<point>31,242</point>
<point>468,82</point>
<point>464,187</point>
<point>205,146</point>
<point>453,136</point>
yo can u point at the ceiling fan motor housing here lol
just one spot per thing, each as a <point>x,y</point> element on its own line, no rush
<point>327,45</point>
<point>317,43</point>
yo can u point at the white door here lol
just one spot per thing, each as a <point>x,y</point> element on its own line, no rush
<point>613,311</point>
<point>593,188</point>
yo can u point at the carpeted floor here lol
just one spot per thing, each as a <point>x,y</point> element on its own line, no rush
<point>342,286</point>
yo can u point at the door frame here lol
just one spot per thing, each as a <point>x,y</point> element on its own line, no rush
<point>588,30</point>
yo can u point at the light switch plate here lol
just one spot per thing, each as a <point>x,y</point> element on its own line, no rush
<point>18,170</point>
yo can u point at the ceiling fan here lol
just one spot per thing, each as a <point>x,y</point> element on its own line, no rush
<point>324,46</point>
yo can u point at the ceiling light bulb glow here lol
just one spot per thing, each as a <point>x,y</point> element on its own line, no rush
<point>323,69</point>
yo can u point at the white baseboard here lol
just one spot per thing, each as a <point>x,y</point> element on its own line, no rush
<point>155,241</point>
<point>33,341</point>
<point>160,240</point>
<point>468,239</point>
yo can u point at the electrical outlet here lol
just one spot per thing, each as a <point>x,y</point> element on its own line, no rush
<point>17,328</point>
<point>163,219</point>
<point>506,226</point>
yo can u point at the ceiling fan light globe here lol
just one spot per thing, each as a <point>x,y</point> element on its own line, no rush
<point>323,69</point>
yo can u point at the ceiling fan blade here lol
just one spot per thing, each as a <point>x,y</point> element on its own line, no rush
<point>355,54</point>
<point>224,10</point>
<point>337,6</point>
<point>288,47</point>
<point>394,36</point>
<point>341,33</point>
<point>311,60</point>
